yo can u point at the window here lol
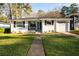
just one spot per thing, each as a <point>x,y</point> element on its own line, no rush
<point>20,24</point>
<point>14,23</point>
<point>32,25</point>
<point>52,22</point>
<point>49,22</point>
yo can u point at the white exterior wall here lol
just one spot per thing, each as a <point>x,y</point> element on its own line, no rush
<point>19,30</point>
<point>69,27</point>
<point>47,28</point>
<point>60,27</point>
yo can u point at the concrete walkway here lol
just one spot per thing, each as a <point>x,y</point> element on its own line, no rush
<point>67,33</point>
<point>36,47</point>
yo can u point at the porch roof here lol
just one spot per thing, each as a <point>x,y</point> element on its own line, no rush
<point>41,18</point>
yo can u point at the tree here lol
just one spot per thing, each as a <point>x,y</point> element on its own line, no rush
<point>1,8</point>
<point>27,8</point>
<point>74,8</point>
<point>15,10</point>
<point>53,14</point>
<point>2,16</point>
<point>40,13</point>
<point>65,11</point>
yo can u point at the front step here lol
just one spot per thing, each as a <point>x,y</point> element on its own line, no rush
<point>34,32</point>
<point>38,33</point>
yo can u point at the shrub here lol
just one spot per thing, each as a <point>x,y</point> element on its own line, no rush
<point>75,31</point>
<point>7,30</point>
<point>1,30</point>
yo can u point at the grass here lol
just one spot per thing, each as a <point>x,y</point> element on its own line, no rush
<point>15,44</point>
<point>60,45</point>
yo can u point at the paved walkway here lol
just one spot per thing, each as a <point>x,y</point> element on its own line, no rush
<point>67,33</point>
<point>36,47</point>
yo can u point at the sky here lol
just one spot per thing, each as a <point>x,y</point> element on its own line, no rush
<point>47,6</point>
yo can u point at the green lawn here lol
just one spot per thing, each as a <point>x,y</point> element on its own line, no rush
<point>61,45</point>
<point>15,44</point>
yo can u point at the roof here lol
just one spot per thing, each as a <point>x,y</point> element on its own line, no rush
<point>74,14</point>
<point>40,18</point>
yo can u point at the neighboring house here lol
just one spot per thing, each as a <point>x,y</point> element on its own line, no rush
<point>4,25</point>
<point>74,22</point>
<point>42,24</point>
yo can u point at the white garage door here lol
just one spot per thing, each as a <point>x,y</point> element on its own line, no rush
<point>61,27</point>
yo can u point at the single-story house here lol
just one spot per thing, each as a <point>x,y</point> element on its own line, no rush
<point>41,24</point>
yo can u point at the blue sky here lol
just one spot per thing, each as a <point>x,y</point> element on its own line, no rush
<point>47,6</point>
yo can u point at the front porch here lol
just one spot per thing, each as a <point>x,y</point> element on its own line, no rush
<point>35,26</point>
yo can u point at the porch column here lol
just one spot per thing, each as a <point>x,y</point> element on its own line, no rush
<point>66,28</point>
<point>74,22</point>
<point>12,26</point>
<point>36,25</point>
<point>55,26</point>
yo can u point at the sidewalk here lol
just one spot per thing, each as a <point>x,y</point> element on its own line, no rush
<point>36,48</point>
<point>67,33</point>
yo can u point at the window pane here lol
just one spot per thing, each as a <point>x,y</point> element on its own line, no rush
<point>19,24</point>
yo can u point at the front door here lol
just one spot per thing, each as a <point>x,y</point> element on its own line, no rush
<point>39,26</point>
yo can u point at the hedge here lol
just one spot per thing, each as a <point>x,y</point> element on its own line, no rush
<point>7,30</point>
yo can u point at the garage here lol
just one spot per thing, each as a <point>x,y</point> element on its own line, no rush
<point>61,27</point>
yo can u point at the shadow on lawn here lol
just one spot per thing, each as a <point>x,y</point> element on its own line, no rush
<point>23,36</point>
<point>6,37</point>
<point>17,49</point>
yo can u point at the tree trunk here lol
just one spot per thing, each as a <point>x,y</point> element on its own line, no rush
<point>10,16</point>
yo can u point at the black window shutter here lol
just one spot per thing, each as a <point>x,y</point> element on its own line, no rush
<point>52,22</point>
<point>45,22</point>
<point>23,23</point>
<point>14,23</point>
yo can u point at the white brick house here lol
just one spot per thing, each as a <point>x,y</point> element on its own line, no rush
<point>43,25</point>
